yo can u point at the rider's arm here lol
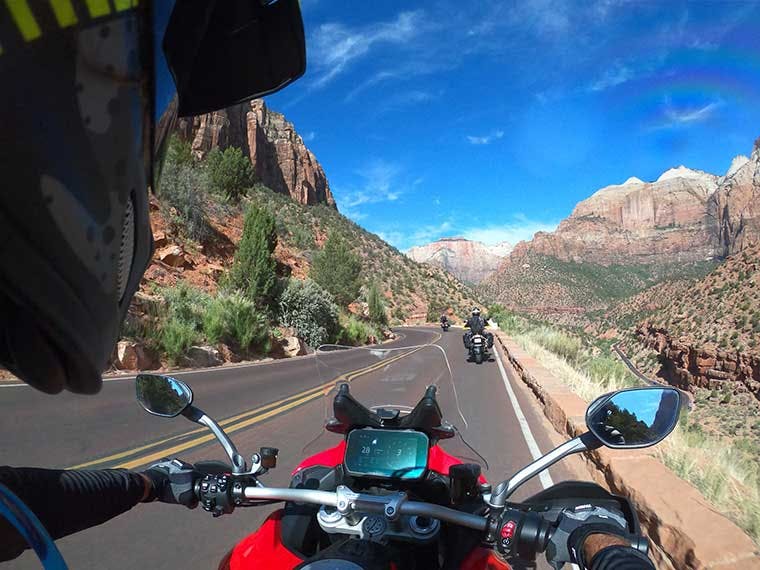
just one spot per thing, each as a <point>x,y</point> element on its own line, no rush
<point>69,501</point>
<point>608,552</point>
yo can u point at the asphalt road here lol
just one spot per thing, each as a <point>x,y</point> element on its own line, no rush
<point>279,404</point>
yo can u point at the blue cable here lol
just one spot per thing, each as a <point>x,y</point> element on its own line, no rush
<point>30,527</point>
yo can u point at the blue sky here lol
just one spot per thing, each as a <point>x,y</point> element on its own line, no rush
<point>492,119</point>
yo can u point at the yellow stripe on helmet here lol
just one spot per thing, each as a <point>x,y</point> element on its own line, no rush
<point>98,8</point>
<point>64,12</point>
<point>122,5</point>
<point>24,19</point>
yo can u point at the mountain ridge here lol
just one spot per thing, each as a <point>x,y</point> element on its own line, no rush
<point>468,260</point>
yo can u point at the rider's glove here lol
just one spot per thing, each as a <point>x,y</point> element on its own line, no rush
<point>173,482</point>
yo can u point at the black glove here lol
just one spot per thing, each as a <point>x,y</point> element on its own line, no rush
<point>173,482</point>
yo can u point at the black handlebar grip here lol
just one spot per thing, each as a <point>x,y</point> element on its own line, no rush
<point>533,535</point>
<point>522,533</point>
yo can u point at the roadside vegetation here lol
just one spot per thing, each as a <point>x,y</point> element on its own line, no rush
<point>292,270</point>
<point>722,466</point>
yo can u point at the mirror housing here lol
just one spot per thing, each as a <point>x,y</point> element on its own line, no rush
<point>162,396</point>
<point>220,53</point>
<point>635,417</point>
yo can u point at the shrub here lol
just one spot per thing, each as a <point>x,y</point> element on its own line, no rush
<point>176,337</point>
<point>182,202</point>
<point>310,310</point>
<point>228,173</point>
<point>376,304</point>
<point>355,332</point>
<point>506,320</point>
<point>186,304</point>
<point>179,152</point>
<point>336,268</point>
<point>233,319</point>
<point>254,269</point>
<point>303,238</point>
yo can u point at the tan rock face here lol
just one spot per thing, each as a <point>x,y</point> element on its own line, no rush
<point>636,222</point>
<point>735,207</point>
<point>469,261</point>
<point>689,367</point>
<point>278,154</point>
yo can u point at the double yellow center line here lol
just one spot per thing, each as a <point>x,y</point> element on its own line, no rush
<point>156,450</point>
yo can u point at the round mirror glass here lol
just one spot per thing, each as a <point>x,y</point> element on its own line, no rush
<point>638,417</point>
<point>162,395</point>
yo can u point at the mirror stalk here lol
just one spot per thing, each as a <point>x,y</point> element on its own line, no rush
<point>198,416</point>
<point>505,489</point>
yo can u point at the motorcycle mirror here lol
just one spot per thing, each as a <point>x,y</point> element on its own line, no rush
<point>634,418</point>
<point>162,395</point>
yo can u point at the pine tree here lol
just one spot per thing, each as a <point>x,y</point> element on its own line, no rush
<point>337,268</point>
<point>253,271</point>
<point>376,305</point>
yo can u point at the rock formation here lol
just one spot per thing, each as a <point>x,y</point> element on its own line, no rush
<point>278,154</point>
<point>469,261</point>
<point>689,367</point>
<point>735,206</point>
<point>636,222</point>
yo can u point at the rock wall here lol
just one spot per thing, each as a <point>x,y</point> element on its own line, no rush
<point>636,222</point>
<point>278,154</point>
<point>467,260</point>
<point>689,367</point>
<point>736,207</point>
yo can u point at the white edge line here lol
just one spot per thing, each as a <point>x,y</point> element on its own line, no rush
<point>535,451</point>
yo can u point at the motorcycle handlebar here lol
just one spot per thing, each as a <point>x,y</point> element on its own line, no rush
<point>368,503</point>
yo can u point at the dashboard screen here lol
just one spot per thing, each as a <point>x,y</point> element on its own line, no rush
<point>398,454</point>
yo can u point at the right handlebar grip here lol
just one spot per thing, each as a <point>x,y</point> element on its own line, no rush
<point>522,533</point>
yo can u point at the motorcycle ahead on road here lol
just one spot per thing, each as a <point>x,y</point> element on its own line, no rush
<point>478,348</point>
<point>445,326</point>
<point>401,488</point>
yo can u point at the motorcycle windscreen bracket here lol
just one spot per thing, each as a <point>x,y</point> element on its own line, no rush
<point>386,453</point>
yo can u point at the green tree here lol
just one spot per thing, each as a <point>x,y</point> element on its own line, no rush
<point>310,310</point>
<point>229,173</point>
<point>337,268</point>
<point>253,271</point>
<point>182,198</point>
<point>376,305</point>
<point>179,152</point>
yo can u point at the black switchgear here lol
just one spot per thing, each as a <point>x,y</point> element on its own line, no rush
<point>521,534</point>
<point>215,494</point>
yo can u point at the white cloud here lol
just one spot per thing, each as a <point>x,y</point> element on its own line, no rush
<point>487,139</point>
<point>309,136</point>
<point>334,46</point>
<point>379,181</point>
<point>692,115</point>
<point>674,117</point>
<point>613,77</point>
<point>520,228</point>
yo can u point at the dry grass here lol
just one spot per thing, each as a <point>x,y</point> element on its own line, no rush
<point>727,476</point>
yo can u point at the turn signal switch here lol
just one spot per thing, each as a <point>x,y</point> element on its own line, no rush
<point>215,494</point>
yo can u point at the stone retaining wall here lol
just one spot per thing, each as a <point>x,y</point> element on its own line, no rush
<point>685,530</point>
